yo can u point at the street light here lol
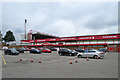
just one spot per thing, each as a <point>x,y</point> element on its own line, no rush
<point>25,28</point>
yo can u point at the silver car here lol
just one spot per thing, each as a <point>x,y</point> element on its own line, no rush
<point>91,53</point>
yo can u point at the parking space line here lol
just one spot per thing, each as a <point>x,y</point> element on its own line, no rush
<point>60,59</point>
<point>12,56</point>
<point>4,60</point>
<point>55,60</point>
<point>105,53</point>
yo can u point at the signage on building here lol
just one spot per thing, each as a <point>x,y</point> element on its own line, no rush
<point>108,37</point>
<point>86,38</point>
<point>74,38</point>
<point>70,38</point>
<point>53,39</point>
<point>31,41</point>
<point>46,44</point>
<point>40,40</point>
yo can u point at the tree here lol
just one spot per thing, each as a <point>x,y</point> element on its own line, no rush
<point>0,36</point>
<point>9,36</point>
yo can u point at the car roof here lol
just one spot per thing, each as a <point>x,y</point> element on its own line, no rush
<point>79,49</point>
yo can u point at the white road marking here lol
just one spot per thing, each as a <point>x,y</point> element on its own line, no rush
<point>71,57</point>
<point>106,53</point>
<point>55,60</point>
<point>13,56</point>
<point>60,59</point>
<point>34,54</point>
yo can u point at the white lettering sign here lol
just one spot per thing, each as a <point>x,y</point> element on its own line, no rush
<point>68,38</point>
<point>52,39</point>
<point>31,41</point>
<point>40,40</point>
<point>109,36</point>
<point>86,38</point>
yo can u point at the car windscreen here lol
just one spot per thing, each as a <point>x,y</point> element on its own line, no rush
<point>46,49</point>
<point>69,50</point>
<point>36,49</point>
<point>13,50</point>
<point>73,50</point>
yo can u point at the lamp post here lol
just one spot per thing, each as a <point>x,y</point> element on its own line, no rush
<point>25,28</point>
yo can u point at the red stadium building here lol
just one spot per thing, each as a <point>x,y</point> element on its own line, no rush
<point>109,41</point>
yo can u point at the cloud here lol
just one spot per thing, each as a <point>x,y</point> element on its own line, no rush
<point>60,18</point>
<point>63,28</point>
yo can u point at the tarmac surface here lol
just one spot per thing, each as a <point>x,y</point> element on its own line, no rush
<point>55,66</point>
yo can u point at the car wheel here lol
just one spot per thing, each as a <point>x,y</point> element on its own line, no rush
<point>5,53</point>
<point>70,55</point>
<point>60,54</point>
<point>95,56</point>
<point>10,53</point>
<point>79,56</point>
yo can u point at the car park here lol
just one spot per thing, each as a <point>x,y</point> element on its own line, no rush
<point>46,50</point>
<point>20,50</point>
<point>65,51</point>
<point>35,51</point>
<point>91,53</point>
<point>80,50</point>
<point>53,49</point>
<point>11,51</point>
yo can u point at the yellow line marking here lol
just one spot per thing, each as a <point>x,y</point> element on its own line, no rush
<point>3,59</point>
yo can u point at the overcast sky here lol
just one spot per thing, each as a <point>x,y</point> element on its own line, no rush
<point>60,18</point>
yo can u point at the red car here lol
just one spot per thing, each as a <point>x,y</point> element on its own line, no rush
<point>46,50</point>
<point>40,49</point>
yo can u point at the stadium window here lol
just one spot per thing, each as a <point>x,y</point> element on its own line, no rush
<point>73,42</point>
<point>109,41</point>
<point>116,41</point>
<point>100,46</point>
<point>88,46</point>
<point>67,42</point>
<point>77,42</point>
<point>93,41</point>
<point>86,42</point>
<point>94,46</point>
<point>81,46</point>
<point>101,41</point>
<point>81,42</point>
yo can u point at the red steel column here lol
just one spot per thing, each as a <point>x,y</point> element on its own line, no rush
<point>113,45</point>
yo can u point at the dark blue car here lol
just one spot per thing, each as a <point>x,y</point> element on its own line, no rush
<point>35,51</point>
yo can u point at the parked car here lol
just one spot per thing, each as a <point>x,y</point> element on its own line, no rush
<point>53,49</point>
<point>20,50</point>
<point>11,51</point>
<point>24,49</point>
<point>40,49</point>
<point>27,49</point>
<point>65,51</point>
<point>46,50</point>
<point>91,53</point>
<point>80,50</point>
<point>103,49</point>
<point>35,51</point>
